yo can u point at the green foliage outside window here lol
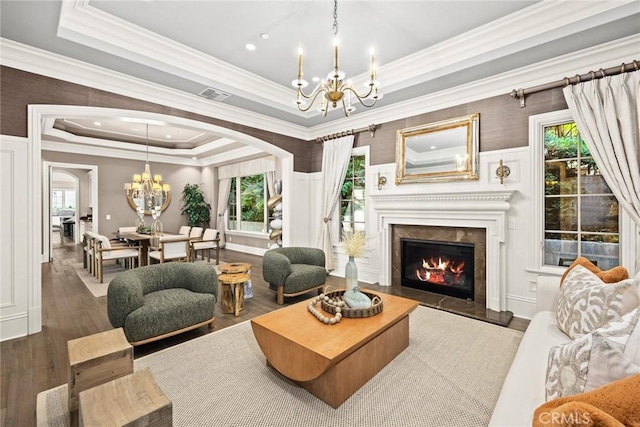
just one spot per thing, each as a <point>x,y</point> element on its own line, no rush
<point>252,193</point>
<point>352,195</point>
<point>246,209</point>
<point>579,206</point>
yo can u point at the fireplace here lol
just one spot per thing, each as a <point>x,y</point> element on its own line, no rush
<point>441,267</point>
<point>477,217</point>
<point>459,238</point>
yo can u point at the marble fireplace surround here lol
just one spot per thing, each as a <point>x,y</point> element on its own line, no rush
<point>483,209</point>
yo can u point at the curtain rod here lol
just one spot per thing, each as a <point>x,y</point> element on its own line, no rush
<point>371,128</point>
<point>591,75</point>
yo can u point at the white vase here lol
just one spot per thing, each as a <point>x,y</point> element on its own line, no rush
<point>351,274</point>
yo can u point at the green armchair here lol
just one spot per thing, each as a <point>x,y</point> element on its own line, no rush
<point>293,271</point>
<point>162,300</point>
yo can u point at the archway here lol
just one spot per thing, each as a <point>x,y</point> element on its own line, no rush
<point>39,225</point>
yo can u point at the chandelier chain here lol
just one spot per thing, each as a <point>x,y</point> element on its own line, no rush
<point>147,142</point>
<point>335,18</point>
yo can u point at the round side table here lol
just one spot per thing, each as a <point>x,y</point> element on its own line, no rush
<point>235,267</point>
<point>239,267</point>
<point>233,292</point>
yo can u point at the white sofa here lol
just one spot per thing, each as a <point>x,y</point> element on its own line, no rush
<point>524,387</point>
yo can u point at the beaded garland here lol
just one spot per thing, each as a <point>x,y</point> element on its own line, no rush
<point>320,316</point>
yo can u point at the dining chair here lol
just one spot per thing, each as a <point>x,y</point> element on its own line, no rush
<point>210,240</point>
<point>106,252</point>
<point>184,230</point>
<point>87,246</point>
<point>121,240</point>
<point>195,233</point>
<point>170,248</point>
<point>56,227</point>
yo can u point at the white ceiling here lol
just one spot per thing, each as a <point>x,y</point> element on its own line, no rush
<point>421,48</point>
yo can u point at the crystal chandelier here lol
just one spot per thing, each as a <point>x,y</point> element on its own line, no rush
<point>334,89</point>
<point>148,193</point>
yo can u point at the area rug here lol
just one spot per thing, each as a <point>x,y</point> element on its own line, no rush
<point>96,288</point>
<point>110,272</point>
<point>450,375</point>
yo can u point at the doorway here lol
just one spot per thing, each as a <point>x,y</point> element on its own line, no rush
<point>70,198</point>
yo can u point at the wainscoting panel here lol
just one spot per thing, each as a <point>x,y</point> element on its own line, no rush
<point>14,237</point>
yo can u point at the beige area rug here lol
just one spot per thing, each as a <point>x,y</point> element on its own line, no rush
<point>111,271</point>
<point>450,375</point>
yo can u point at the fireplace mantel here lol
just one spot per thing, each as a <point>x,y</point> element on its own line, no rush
<point>486,200</point>
<point>484,209</point>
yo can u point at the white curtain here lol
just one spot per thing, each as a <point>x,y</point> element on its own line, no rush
<point>224,185</point>
<point>335,159</point>
<point>606,113</point>
<point>271,186</point>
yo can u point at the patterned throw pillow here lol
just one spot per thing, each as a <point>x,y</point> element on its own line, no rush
<point>586,303</point>
<point>608,354</point>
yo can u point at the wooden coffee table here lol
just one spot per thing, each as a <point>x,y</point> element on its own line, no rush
<point>333,361</point>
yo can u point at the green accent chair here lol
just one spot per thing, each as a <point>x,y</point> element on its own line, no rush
<point>161,300</point>
<point>294,271</point>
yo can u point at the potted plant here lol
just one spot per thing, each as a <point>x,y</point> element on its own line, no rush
<point>194,206</point>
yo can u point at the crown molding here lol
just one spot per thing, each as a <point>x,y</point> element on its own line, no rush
<point>47,129</point>
<point>535,25</point>
<point>593,58</point>
<point>46,115</point>
<point>100,150</point>
<point>84,24</point>
<point>38,61</point>
<point>23,57</point>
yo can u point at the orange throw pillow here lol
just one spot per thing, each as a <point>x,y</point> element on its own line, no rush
<point>614,275</point>
<point>614,404</point>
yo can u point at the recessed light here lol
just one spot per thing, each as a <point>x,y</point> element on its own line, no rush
<point>97,123</point>
<point>250,46</point>
<point>264,36</point>
<point>168,136</point>
<point>315,79</point>
<point>433,147</point>
<point>194,158</point>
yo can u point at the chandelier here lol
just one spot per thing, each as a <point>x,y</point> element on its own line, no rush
<point>334,89</point>
<point>149,194</point>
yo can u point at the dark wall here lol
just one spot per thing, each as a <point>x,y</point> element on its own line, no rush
<point>20,88</point>
<point>503,124</point>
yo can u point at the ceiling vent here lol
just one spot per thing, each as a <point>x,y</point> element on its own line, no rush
<point>214,94</point>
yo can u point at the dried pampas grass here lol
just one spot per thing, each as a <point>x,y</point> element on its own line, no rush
<point>354,243</point>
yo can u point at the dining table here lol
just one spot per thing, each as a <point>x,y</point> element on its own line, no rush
<point>143,240</point>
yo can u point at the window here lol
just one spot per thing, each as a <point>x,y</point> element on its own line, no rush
<point>247,207</point>
<point>63,199</point>
<point>352,197</point>
<point>580,212</point>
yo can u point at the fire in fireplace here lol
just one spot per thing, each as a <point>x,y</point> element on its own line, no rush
<point>441,267</point>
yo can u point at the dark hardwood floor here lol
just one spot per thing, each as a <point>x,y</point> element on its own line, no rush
<point>39,362</point>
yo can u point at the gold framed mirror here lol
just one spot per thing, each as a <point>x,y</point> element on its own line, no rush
<point>438,152</point>
<point>148,202</point>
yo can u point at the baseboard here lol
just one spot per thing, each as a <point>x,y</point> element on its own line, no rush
<point>245,249</point>
<point>523,307</point>
<point>14,326</point>
<point>35,320</point>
